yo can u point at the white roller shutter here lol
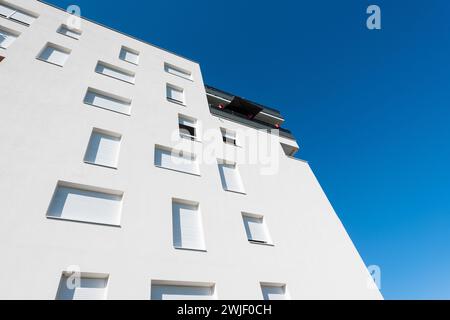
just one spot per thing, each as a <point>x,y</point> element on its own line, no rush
<point>174,160</point>
<point>107,102</point>
<point>69,32</point>
<point>175,94</point>
<point>177,71</point>
<point>23,17</point>
<point>231,179</point>
<point>113,72</point>
<point>54,55</point>
<point>173,292</point>
<point>6,11</point>
<point>129,56</point>
<point>6,39</point>
<point>256,229</point>
<point>85,289</point>
<point>187,227</point>
<point>103,149</point>
<point>84,205</point>
<point>274,292</point>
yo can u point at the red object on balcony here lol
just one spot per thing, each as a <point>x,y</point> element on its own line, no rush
<point>221,106</point>
<point>277,126</point>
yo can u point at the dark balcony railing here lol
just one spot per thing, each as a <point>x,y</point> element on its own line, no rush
<point>240,118</point>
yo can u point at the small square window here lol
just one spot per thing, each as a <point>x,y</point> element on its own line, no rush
<point>175,94</point>
<point>129,55</point>
<point>230,177</point>
<point>83,286</point>
<point>103,148</point>
<point>229,136</point>
<point>54,54</point>
<point>169,68</point>
<point>70,32</point>
<point>7,37</point>
<point>256,229</point>
<point>274,291</point>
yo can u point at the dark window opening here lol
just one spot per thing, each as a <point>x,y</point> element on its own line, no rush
<point>2,58</point>
<point>187,131</point>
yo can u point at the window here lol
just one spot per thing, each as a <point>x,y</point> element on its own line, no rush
<point>82,286</point>
<point>86,204</point>
<point>188,127</point>
<point>70,32</point>
<point>175,94</point>
<point>129,55</point>
<point>256,229</point>
<point>108,101</point>
<point>7,37</point>
<point>176,160</point>
<point>229,136</point>
<point>54,54</point>
<point>103,148</point>
<point>16,15</point>
<point>274,291</point>
<point>175,290</point>
<point>115,72</point>
<point>177,71</point>
<point>231,179</point>
<point>187,226</point>
<point>2,58</point>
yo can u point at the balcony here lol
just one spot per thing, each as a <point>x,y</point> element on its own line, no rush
<point>246,112</point>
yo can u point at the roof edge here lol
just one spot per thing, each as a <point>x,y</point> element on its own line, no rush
<point>120,32</point>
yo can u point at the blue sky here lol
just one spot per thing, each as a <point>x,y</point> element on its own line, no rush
<point>371,108</point>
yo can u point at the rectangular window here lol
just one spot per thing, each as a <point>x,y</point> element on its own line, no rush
<point>82,287</point>
<point>7,37</point>
<point>115,72</point>
<point>188,127</point>
<point>229,136</point>
<point>54,54</point>
<point>70,32</point>
<point>175,290</point>
<point>176,160</point>
<point>104,100</point>
<point>103,148</point>
<point>129,55</point>
<point>177,71</point>
<point>175,94</point>
<point>274,291</point>
<point>231,179</point>
<point>187,226</point>
<point>256,229</point>
<point>86,204</point>
<point>17,15</point>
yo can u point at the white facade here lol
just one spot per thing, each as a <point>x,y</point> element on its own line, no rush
<point>85,115</point>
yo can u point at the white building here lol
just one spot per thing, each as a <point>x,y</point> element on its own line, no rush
<point>90,187</point>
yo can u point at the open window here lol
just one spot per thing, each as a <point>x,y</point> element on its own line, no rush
<point>229,136</point>
<point>188,127</point>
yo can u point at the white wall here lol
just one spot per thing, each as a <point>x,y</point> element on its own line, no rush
<point>45,129</point>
